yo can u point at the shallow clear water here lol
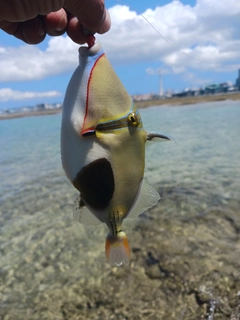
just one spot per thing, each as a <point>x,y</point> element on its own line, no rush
<point>206,147</point>
<point>206,150</point>
<point>41,247</point>
<point>29,152</point>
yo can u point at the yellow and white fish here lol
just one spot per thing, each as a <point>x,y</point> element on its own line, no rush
<point>103,150</point>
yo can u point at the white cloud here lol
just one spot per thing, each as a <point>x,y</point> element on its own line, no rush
<point>192,78</point>
<point>204,36</point>
<point>7,94</point>
<point>152,71</point>
<point>27,63</point>
<point>207,35</point>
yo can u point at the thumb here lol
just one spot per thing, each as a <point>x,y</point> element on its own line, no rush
<point>92,14</point>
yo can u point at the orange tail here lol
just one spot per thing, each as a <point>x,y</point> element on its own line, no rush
<point>117,249</point>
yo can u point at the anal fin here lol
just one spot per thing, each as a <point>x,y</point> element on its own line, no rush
<point>146,198</point>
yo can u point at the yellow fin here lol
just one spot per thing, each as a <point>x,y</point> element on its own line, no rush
<point>117,249</point>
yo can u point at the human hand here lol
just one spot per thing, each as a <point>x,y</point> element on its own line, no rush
<point>31,20</point>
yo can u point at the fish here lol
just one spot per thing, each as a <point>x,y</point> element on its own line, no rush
<point>103,150</point>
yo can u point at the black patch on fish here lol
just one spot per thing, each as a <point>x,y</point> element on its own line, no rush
<point>81,203</point>
<point>95,182</point>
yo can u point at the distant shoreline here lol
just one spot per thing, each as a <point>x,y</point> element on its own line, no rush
<point>141,104</point>
<point>30,114</point>
<point>182,101</point>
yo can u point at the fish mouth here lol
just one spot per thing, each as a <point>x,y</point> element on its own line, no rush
<point>88,132</point>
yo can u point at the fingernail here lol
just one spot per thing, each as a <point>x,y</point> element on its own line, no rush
<point>106,23</point>
<point>41,31</point>
<point>62,23</point>
<point>59,28</point>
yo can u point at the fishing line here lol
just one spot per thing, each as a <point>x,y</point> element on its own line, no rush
<point>159,33</point>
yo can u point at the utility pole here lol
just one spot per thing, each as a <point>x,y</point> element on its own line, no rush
<point>161,92</point>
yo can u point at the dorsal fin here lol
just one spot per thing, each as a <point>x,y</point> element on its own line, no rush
<point>83,215</point>
<point>146,198</point>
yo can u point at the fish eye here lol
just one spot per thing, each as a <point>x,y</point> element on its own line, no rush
<point>133,119</point>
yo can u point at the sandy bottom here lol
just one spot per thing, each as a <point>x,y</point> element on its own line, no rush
<point>184,263</point>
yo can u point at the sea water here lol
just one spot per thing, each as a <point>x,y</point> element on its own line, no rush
<point>206,147</point>
<point>42,248</point>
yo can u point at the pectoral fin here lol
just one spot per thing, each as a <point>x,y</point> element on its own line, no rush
<point>83,215</point>
<point>157,137</point>
<point>146,198</point>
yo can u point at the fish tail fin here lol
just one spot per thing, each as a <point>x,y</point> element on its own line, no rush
<point>117,249</point>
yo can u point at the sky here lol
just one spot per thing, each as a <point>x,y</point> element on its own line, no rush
<point>190,43</point>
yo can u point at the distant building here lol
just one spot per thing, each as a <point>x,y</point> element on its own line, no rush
<point>40,106</point>
<point>223,87</point>
<point>168,94</point>
<point>161,91</point>
<point>238,80</point>
<point>212,88</point>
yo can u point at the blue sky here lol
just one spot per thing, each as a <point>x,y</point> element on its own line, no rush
<point>198,44</point>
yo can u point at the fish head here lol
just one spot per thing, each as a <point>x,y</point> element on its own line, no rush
<point>105,96</point>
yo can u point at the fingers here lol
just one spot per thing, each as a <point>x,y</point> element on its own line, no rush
<point>25,22</point>
<point>91,13</point>
<point>31,31</point>
<point>22,10</point>
<point>106,24</point>
<point>55,23</point>
<point>74,30</point>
